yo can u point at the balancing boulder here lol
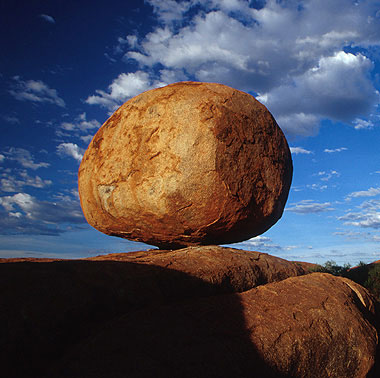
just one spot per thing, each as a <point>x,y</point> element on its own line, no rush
<point>187,164</point>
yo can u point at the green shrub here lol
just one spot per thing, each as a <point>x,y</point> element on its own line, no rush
<point>333,268</point>
<point>367,275</point>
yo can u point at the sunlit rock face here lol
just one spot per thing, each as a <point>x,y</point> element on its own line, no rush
<point>187,164</point>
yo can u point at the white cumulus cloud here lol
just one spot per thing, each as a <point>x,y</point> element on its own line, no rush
<point>25,214</point>
<point>170,10</point>
<point>297,123</point>
<point>122,88</point>
<point>80,127</point>
<point>371,192</point>
<point>72,150</point>
<point>299,150</point>
<point>361,124</point>
<point>326,176</point>
<point>367,217</point>
<point>261,243</point>
<point>292,55</point>
<point>337,87</point>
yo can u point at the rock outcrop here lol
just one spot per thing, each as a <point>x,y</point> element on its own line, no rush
<point>188,164</point>
<point>313,326</point>
<point>219,269</point>
<point>202,311</point>
<point>48,306</point>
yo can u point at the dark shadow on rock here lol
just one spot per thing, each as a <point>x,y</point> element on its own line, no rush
<point>120,319</point>
<point>360,275</point>
<point>375,371</point>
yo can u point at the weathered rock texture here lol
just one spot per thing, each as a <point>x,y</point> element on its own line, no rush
<point>312,326</point>
<point>218,268</point>
<point>47,306</point>
<point>197,312</point>
<point>188,164</point>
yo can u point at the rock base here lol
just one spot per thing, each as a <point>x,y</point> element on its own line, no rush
<point>198,312</point>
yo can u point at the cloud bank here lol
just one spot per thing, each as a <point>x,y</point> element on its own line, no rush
<point>306,61</point>
<point>309,207</point>
<point>367,217</point>
<point>23,213</point>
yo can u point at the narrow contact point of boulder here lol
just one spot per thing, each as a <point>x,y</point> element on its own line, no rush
<point>187,164</point>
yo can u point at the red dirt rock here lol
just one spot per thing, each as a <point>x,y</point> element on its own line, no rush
<point>47,307</point>
<point>219,266</point>
<point>188,164</point>
<point>312,326</point>
<point>182,313</point>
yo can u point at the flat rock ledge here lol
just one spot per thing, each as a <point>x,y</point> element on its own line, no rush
<point>197,312</point>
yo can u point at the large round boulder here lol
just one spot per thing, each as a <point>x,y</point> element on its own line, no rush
<point>187,164</point>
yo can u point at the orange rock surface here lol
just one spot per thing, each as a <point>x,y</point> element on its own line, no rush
<point>188,164</point>
<point>302,327</point>
<point>202,312</point>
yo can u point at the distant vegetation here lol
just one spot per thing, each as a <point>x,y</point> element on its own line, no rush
<point>333,268</point>
<point>367,275</point>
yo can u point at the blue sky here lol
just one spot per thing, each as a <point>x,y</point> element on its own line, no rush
<point>67,65</point>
